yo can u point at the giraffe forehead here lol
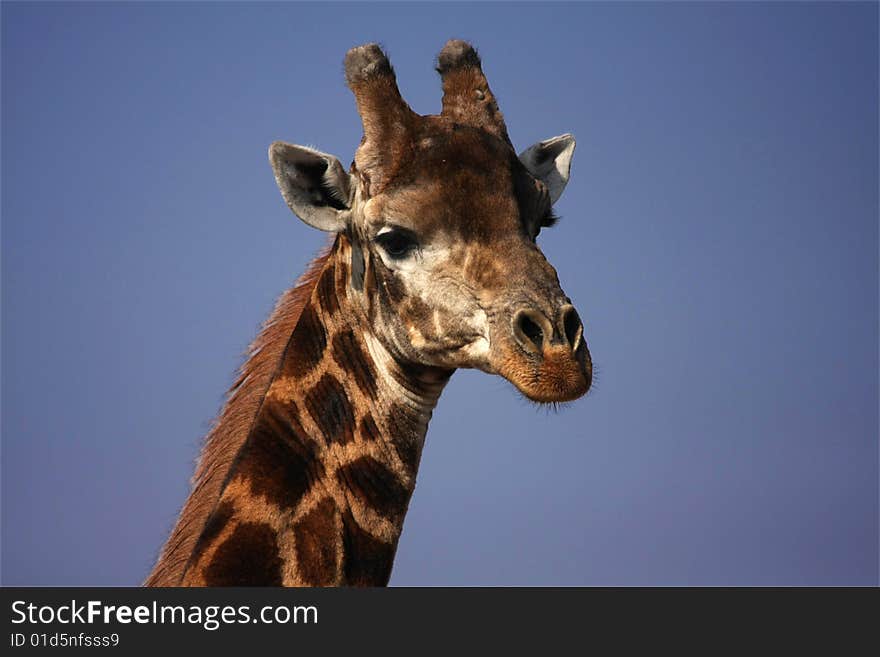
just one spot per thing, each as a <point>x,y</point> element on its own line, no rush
<point>462,181</point>
<point>466,207</point>
<point>439,139</point>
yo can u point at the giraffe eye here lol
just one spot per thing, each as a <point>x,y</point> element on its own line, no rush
<point>398,243</point>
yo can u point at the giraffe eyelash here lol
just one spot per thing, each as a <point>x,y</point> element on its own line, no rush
<point>549,219</point>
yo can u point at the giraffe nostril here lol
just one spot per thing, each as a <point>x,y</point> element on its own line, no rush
<point>529,330</point>
<point>533,331</point>
<point>573,327</point>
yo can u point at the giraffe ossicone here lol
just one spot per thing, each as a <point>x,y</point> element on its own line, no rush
<point>306,476</point>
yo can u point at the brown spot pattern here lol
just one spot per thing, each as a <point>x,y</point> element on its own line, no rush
<point>376,486</point>
<point>279,461</point>
<point>214,525</point>
<point>403,426</point>
<point>417,311</point>
<point>367,560</point>
<point>331,410</point>
<point>291,416</point>
<point>393,287</point>
<point>367,429</point>
<point>316,544</point>
<point>341,279</point>
<point>248,557</point>
<point>370,287</point>
<point>350,356</point>
<point>310,340</point>
<point>327,291</point>
<point>232,427</point>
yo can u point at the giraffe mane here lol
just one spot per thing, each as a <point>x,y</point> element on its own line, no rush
<point>234,423</point>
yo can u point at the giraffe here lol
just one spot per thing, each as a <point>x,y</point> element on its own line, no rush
<point>306,476</point>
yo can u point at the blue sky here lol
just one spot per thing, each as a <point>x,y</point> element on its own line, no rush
<point>719,237</point>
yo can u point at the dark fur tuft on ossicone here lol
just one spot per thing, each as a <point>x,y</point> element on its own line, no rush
<point>457,54</point>
<point>365,62</point>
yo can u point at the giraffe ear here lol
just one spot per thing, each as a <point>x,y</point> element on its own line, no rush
<point>314,184</point>
<point>550,162</point>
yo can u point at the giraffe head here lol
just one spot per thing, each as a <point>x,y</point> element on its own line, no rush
<point>441,216</point>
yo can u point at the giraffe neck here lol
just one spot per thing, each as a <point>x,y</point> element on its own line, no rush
<point>318,491</point>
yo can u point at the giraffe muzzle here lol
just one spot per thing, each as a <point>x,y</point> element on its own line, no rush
<point>556,364</point>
